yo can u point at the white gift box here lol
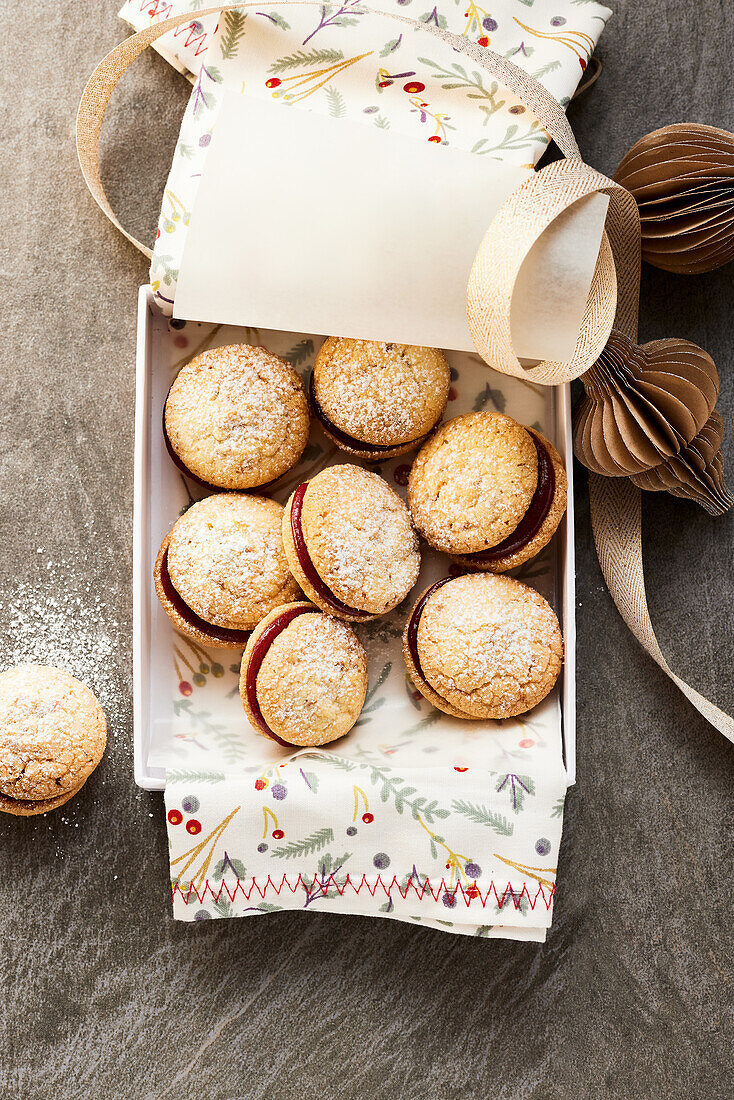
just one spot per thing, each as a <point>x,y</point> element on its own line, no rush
<point>163,734</point>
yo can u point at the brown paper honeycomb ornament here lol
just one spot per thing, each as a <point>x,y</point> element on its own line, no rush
<point>682,177</point>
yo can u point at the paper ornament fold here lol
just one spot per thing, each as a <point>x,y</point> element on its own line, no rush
<point>682,177</point>
<point>696,473</point>
<point>643,403</point>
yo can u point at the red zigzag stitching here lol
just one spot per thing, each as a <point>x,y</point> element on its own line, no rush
<point>470,895</point>
<point>164,9</point>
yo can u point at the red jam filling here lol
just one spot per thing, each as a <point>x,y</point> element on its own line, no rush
<point>415,619</point>
<point>220,633</point>
<point>350,440</point>
<point>324,593</point>
<point>534,518</point>
<point>260,648</point>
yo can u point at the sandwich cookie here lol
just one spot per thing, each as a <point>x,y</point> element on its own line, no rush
<point>222,568</point>
<point>483,646</point>
<point>236,417</point>
<point>303,678</point>
<point>52,736</point>
<point>376,400</point>
<point>487,491</point>
<point>350,543</point>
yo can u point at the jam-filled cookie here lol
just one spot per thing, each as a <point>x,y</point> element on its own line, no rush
<point>52,736</point>
<point>303,678</point>
<point>236,417</point>
<point>483,646</point>
<point>222,568</point>
<point>350,543</point>
<point>487,491</point>
<point>378,400</point>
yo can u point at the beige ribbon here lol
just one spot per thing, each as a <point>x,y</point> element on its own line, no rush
<point>613,296</point>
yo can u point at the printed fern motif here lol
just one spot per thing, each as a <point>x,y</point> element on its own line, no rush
<point>275,18</point>
<point>550,67</point>
<point>300,353</point>
<point>391,46</point>
<point>371,703</point>
<point>234,29</point>
<point>482,815</point>
<point>518,786</point>
<point>391,787</point>
<point>306,847</point>
<point>194,777</point>
<point>302,58</point>
<point>337,106</point>
<point>488,395</point>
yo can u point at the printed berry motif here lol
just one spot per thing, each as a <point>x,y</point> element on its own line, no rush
<point>336,60</point>
<point>471,836</point>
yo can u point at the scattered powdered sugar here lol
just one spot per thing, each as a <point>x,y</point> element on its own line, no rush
<point>63,621</point>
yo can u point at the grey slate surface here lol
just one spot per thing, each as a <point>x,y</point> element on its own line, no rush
<point>102,994</point>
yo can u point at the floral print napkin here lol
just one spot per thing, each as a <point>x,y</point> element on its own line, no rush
<point>413,815</point>
<point>337,60</point>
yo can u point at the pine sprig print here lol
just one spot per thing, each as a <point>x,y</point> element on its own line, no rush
<point>482,815</point>
<point>337,106</point>
<point>518,786</point>
<point>391,787</point>
<point>302,58</point>
<point>306,847</point>
<point>549,67</point>
<point>489,396</point>
<point>299,353</point>
<point>371,703</point>
<point>194,777</point>
<point>234,29</point>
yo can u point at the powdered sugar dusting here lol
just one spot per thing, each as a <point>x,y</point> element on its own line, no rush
<point>489,643</point>
<point>381,393</point>
<point>313,680</point>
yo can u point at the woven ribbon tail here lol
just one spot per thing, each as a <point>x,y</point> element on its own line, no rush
<point>616,520</point>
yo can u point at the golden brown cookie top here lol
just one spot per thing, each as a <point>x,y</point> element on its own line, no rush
<point>312,681</point>
<point>472,482</point>
<point>360,538</point>
<point>521,546</point>
<point>381,393</point>
<point>226,559</point>
<point>52,736</point>
<point>490,645</point>
<point>237,416</point>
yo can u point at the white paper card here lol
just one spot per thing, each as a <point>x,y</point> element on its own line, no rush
<point>310,224</point>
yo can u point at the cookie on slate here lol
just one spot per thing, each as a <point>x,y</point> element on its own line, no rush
<point>487,491</point>
<point>222,568</point>
<point>350,543</point>
<point>483,646</point>
<point>52,736</point>
<point>236,417</point>
<point>303,678</point>
<point>377,400</point>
